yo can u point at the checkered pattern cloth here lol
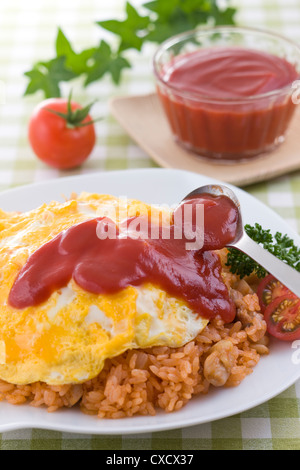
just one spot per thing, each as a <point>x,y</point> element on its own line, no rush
<point>27,33</point>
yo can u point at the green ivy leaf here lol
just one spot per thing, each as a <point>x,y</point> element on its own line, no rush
<point>131,30</point>
<point>177,16</point>
<point>165,10</point>
<point>46,76</point>
<point>106,61</point>
<point>225,16</point>
<point>76,62</point>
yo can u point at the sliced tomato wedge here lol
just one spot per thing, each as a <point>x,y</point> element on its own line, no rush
<point>282,316</point>
<point>269,289</point>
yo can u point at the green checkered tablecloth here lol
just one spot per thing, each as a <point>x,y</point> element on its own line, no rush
<point>27,33</point>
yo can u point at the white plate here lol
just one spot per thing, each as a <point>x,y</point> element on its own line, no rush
<point>272,375</point>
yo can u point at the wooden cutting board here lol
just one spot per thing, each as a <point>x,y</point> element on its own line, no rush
<point>144,120</point>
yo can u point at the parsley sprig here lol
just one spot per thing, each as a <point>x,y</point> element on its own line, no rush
<point>280,245</point>
<point>157,20</point>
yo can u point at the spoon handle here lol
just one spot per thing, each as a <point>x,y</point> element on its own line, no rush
<point>282,271</point>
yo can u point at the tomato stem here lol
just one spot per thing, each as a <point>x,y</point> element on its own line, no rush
<point>75,118</point>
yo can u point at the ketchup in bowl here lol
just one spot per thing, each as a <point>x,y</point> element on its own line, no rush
<point>228,98</point>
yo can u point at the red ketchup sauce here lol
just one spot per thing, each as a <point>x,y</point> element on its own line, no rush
<point>234,127</point>
<point>105,266</point>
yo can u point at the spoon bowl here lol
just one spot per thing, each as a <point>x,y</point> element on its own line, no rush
<point>287,275</point>
<point>220,190</point>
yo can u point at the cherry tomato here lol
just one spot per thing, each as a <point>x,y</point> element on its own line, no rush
<point>59,136</point>
<point>269,289</point>
<point>282,316</point>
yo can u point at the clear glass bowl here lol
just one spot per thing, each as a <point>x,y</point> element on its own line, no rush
<point>227,129</point>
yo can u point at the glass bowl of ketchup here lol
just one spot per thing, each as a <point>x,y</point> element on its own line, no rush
<point>227,91</point>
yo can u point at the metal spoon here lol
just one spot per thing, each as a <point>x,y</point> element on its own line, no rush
<point>283,272</point>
